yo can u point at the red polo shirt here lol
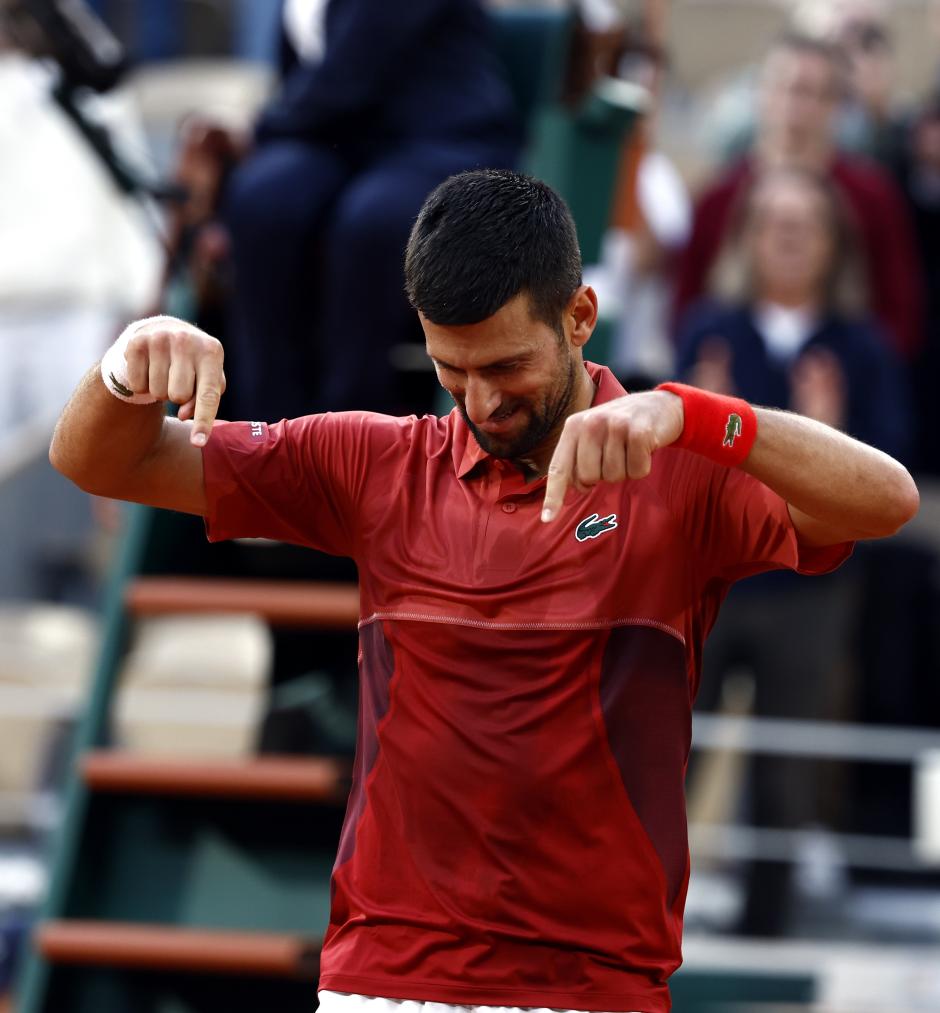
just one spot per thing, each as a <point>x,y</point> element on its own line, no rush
<point>516,831</point>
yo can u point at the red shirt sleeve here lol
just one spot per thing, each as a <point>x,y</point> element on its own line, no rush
<point>737,526</point>
<point>299,480</point>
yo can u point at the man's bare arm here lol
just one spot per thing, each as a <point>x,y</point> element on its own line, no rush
<point>837,489</point>
<point>134,452</point>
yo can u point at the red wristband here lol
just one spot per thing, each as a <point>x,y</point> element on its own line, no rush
<point>721,428</point>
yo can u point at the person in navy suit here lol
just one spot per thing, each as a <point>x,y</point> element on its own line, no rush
<point>379,102</point>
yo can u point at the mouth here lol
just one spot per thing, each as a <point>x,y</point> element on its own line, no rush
<point>497,424</point>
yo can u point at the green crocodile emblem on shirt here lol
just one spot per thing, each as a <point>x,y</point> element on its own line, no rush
<point>732,430</point>
<point>594,525</point>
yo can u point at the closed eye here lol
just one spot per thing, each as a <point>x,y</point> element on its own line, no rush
<point>495,368</point>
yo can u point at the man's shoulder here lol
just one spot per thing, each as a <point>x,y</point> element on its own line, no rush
<point>356,434</point>
<point>387,429</point>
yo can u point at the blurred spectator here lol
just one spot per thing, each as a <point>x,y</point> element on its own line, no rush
<point>650,223</point>
<point>156,30</point>
<point>256,29</point>
<point>379,103</point>
<point>802,82</point>
<point>640,252</point>
<point>919,173</point>
<point>787,331</point>
<point>78,257</point>
<point>788,328</point>
<point>868,123</point>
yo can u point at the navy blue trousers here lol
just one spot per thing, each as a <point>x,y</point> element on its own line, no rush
<point>318,245</point>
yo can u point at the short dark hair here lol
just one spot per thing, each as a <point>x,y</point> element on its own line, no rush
<point>485,236</point>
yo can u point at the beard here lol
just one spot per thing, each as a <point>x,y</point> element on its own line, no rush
<point>544,417</point>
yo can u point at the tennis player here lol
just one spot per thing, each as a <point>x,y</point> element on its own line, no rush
<point>538,571</point>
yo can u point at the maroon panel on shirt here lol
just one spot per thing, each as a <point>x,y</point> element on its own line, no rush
<point>498,859</point>
<point>647,712</point>
<point>376,667</point>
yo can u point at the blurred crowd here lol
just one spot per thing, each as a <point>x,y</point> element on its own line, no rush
<point>804,274</point>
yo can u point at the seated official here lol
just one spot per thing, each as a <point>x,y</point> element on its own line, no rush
<point>379,102</point>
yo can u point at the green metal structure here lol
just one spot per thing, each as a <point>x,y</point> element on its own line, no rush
<point>173,859</point>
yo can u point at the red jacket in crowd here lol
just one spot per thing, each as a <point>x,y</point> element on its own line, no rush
<point>886,239</point>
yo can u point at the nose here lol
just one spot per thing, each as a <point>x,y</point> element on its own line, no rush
<point>481,399</point>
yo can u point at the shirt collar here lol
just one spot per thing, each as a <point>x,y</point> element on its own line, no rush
<point>467,453</point>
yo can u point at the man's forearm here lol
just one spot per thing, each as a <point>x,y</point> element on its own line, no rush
<point>100,440</point>
<point>842,488</point>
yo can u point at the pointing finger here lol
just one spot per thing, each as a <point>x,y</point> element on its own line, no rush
<point>207,404</point>
<point>559,475</point>
<point>210,382</point>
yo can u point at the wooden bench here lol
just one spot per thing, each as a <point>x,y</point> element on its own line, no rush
<point>282,603</point>
<point>314,779</point>
<point>157,947</point>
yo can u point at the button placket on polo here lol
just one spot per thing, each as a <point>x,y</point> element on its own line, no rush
<point>509,518</point>
<point>491,483</point>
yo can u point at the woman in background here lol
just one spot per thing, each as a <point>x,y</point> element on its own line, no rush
<point>786,327</point>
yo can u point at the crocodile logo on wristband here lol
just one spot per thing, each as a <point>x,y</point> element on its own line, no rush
<point>733,429</point>
<point>119,387</point>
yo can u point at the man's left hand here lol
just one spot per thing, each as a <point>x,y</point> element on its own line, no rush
<point>611,442</point>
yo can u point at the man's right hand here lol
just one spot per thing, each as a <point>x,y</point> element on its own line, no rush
<point>176,361</point>
<point>135,451</point>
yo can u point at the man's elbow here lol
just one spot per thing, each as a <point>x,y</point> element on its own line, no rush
<point>68,463</point>
<point>899,505</point>
<point>63,464</point>
<point>59,457</point>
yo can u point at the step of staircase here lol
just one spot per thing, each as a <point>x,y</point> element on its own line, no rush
<point>308,779</point>
<point>167,948</point>
<point>283,603</point>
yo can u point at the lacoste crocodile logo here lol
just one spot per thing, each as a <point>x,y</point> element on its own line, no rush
<point>119,387</point>
<point>732,430</point>
<point>595,525</point>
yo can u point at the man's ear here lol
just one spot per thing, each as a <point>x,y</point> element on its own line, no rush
<point>582,313</point>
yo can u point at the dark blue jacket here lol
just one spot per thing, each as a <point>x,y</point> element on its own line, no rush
<point>879,403</point>
<point>393,70</point>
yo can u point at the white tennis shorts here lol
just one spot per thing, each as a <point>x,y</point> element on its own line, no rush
<point>346,1002</point>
